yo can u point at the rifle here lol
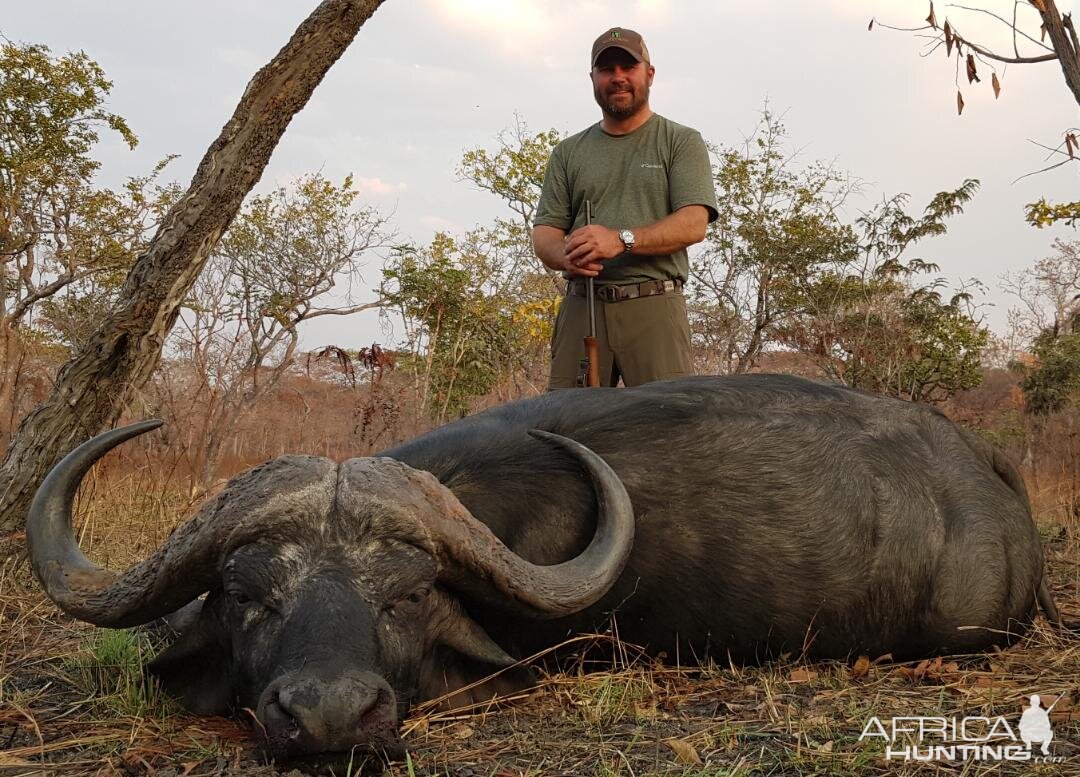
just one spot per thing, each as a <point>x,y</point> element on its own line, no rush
<point>589,368</point>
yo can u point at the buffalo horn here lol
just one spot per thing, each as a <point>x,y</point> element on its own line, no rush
<point>544,591</point>
<point>80,587</point>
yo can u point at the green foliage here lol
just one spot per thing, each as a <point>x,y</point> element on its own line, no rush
<point>1044,214</point>
<point>514,171</point>
<point>109,670</point>
<point>238,332</point>
<point>478,308</point>
<point>465,317</point>
<point>50,113</point>
<point>872,326</point>
<point>777,227</point>
<point>288,247</point>
<point>782,269</point>
<point>57,233</point>
<point>106,232</point>
<point>1054,382</point>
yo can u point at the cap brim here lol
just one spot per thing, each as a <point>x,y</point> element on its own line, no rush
<point>622,46</point>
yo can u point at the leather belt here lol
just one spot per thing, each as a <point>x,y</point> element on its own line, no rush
<point>613,292</point>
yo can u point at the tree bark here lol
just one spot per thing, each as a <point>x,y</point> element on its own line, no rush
<point>1063,38</point>
<point>94,387</point>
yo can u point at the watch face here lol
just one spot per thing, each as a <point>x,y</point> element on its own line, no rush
<point>627,237</point>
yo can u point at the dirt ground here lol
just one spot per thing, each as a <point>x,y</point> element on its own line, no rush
<point>73,701</point>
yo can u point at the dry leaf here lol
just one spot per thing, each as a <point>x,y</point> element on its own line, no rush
<point>971,74</point>
<point>871,26</point>
<point>1071,144</point>
<point>461,731</point>
<point>826,748</point>
<point>1039,4</point>
<point>996,84</point>
<point>862,667</point>
<point>932,19</point>
<point>1042,33</point>
<point>948,39</point>
<point>920,671</point>
<point>959,103</point>
<point>802,676</point>
<point>645,711</point>
<point>684,751</point>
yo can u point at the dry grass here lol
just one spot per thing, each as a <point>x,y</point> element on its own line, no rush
<point>73,700</point>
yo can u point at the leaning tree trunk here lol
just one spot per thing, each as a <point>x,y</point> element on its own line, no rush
<point>95,385</point>
<point>1063,37</point>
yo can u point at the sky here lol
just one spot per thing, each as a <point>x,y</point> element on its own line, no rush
<point>427,79</point>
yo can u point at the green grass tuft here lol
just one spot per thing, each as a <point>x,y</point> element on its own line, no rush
<point>109,671</point>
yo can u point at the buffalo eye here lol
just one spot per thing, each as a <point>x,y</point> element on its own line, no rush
<point>240,599</point>
<point>417,596</point>
<point>412,602</point>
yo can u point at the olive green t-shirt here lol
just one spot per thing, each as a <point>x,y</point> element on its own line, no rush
<point>631,180</point>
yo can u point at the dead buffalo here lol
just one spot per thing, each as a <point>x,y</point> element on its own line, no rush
<point>732,517</point>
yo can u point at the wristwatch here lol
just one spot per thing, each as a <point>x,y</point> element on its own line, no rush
<point>627,238</point>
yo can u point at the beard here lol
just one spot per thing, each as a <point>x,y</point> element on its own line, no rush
<point>621,110</point>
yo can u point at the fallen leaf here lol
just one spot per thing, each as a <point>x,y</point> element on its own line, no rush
<point>862,667</point>
<point>802,676</point>
<point>959,103</point>
<point>996,84</point>
<point>684,751</point>
<point>915,674</point>
<point>826,748</point>
<point>461,731</point>
<point>645,711</point>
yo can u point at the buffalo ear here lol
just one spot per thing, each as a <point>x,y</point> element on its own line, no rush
<point>197,667</point>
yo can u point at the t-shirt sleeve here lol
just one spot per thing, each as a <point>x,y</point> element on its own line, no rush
<point>690,179</point>
<point>554,208</point>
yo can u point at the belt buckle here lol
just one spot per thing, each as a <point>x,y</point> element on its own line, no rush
<point>608,293</point>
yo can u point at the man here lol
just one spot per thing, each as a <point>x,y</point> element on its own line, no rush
<point>649,183</point>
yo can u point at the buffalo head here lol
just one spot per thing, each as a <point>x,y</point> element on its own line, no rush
<point>330,589</point>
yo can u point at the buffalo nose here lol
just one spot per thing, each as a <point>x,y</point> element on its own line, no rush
<point>305,714</point>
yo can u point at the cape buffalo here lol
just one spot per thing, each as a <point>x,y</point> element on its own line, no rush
<point>731,517</point>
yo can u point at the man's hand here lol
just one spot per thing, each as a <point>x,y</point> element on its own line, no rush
<point>587,247</point>
<point>550,245</point>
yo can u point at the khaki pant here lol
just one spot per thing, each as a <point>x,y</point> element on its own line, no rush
<point>639,340</point>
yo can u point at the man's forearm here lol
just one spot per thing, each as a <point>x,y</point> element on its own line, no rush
<point>549,244</point>
<point>681,229</point>
<point>587,246</point>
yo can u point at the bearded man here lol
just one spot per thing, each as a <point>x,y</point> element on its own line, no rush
<point>649,183</point>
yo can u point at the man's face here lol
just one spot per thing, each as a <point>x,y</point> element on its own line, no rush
<point>621,83</point>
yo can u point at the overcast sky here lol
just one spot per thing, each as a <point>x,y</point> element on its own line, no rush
<point>427,79</point>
